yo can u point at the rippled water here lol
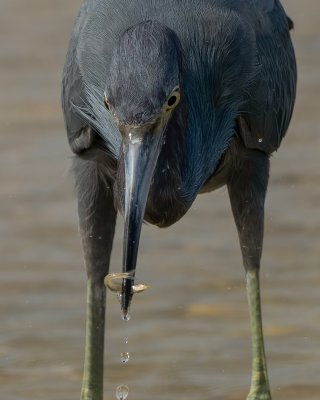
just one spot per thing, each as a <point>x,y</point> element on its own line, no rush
<point>189,335</point>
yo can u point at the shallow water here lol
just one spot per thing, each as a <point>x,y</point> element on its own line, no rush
<point>188,336</point>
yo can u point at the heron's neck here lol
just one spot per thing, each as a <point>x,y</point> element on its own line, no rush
<point>196,138</point>
<point>209,128</point>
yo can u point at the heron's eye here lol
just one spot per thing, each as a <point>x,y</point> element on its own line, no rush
<point>173,100</point>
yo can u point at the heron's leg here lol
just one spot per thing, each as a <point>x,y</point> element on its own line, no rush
<point>247,188</point>
<point>92,384</point>
<point>259,379</point>
<point>97,218</point>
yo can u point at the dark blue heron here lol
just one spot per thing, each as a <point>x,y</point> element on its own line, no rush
<point>164,100</point>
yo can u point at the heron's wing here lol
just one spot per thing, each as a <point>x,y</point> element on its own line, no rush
<point>264,5</point>
<point>83,78</point>
<point>270,100</point>
<point>105,22</point>
<point>72,83</point>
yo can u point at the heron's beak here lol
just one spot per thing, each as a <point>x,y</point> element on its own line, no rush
<point>141,147</point>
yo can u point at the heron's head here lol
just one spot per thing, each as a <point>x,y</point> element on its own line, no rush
<point>142,93</point>
<point>143,84</point>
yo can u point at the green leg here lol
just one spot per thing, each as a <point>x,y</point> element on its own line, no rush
<point>92,386</point>
<point>247,188</point>
<point>259,389</point>
<point>97,219</point>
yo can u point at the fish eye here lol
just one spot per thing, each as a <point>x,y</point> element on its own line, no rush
<point>173,99</point>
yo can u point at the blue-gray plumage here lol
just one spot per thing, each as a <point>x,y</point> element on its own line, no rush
<point>164,100</point>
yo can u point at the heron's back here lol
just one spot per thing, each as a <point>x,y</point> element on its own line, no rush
<point>100,24</point>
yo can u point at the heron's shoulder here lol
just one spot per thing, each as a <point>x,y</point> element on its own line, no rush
<point>263,5</point>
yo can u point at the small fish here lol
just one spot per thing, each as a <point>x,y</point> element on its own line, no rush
<point>112,282</point>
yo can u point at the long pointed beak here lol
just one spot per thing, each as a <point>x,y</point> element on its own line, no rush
<point>141,146</point>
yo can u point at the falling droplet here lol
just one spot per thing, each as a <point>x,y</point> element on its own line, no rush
<point>126,340</point>
<point>119,297</point>
<point>126,316</point>
<point>260,140</point>
<point>122,392</point>
<point>124,357</point>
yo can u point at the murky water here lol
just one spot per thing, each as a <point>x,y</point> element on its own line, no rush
<point>189,335</point>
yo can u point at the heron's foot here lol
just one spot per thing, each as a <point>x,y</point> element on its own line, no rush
<point>259,394</point>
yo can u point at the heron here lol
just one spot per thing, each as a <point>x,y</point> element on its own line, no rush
<point>164,100</point>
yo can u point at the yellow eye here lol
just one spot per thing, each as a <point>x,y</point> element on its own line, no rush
<point>173,99</point>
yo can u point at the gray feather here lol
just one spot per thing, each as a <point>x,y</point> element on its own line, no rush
<point>94,113</point>
<point>237,60</point>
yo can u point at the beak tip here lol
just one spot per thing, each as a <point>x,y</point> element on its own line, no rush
<point>140,157</point>
<point>125,311</point>
<point>125,315</point>
<point>126,299</point>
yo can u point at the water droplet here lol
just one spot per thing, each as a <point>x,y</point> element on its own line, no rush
<point>260,140</point>
<point>126,316</point>
<point>124,357</point>
<point>126,340</point>
<point>119,297</point>
<point>122,392</point>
